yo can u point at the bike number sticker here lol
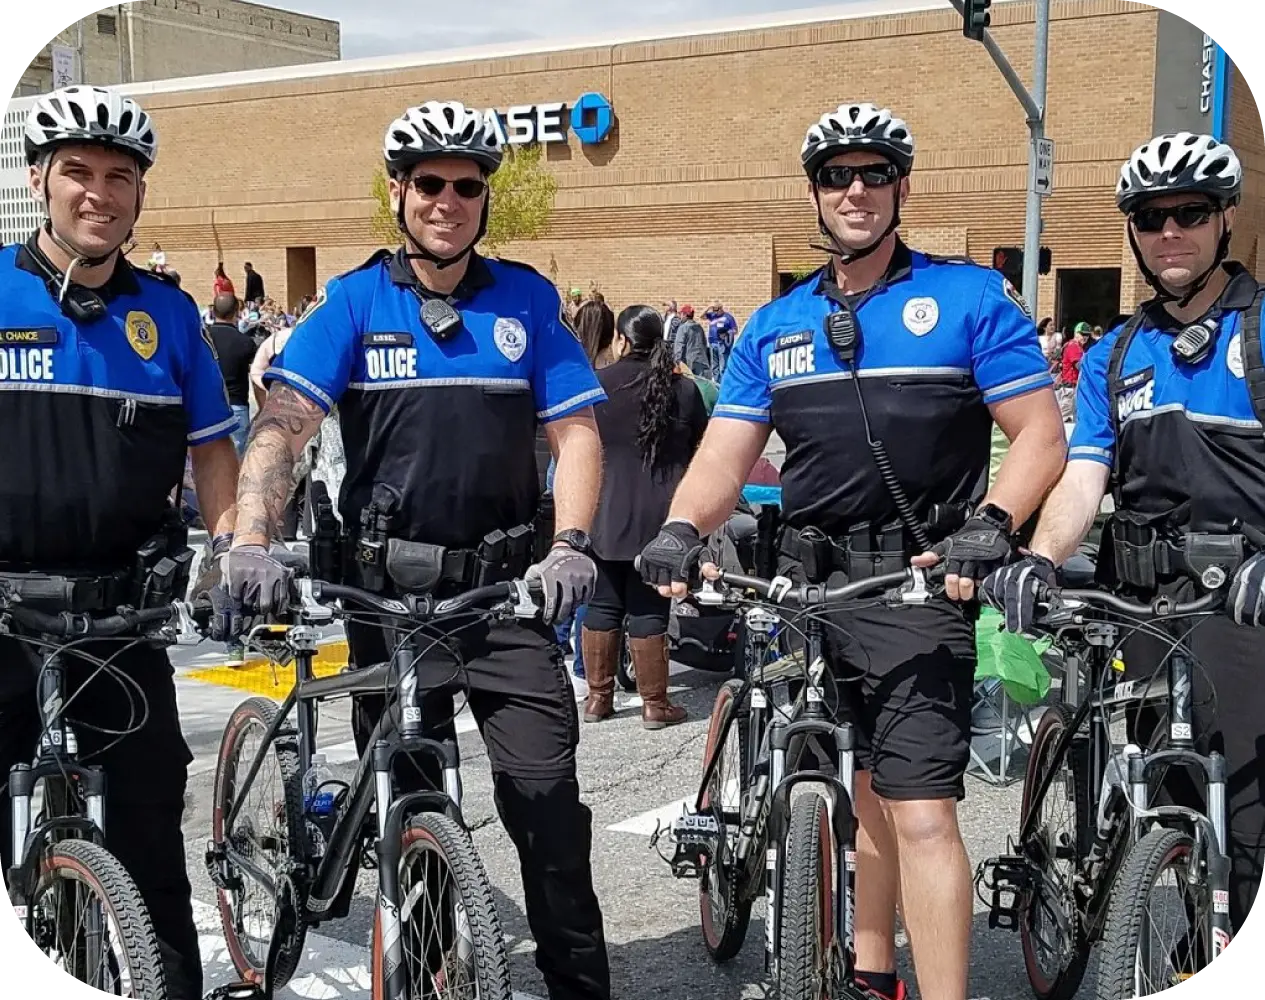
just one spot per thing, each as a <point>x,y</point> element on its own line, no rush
<point>1220,901</point>
<point>1180,731</point>
<point>412,713</point>
<point>759,699</point>
<point>814,695</point>
<point>850,860</point>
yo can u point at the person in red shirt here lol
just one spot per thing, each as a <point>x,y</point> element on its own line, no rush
<point>1073,352</point>
<point>223,285</point>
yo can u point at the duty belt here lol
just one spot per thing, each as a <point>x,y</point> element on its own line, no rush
<point>1145,556</point>
<point>53,592</point>
<point>865,550</point>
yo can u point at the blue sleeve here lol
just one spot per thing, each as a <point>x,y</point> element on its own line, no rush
<point>1005,352</point>
<point>1094,437</point>
<point>744,388</point>
<point>317,358</point>
<point>202,386</point>
<point>562,380</point>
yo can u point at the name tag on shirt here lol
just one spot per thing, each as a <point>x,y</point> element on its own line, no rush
<point>387,340</point>
<point>30,336</point>
<point>794,339</point>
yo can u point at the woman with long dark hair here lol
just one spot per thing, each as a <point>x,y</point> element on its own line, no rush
<point>650,424</point>
<point>595,323</point>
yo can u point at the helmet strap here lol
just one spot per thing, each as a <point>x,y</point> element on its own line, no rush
<point>78,259</point>
<point>847,255</point>
<point>419,251</point>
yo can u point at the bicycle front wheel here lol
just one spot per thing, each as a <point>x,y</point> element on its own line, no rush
<point>724,907</point>
<point>88,917</point>
<point>1158,920</point>
<point>808,966</point>
<point>450,933</point>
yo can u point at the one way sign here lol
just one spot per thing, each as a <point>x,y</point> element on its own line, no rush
<point>1042,180</point>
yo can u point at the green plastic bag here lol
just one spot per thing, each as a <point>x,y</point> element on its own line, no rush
<point>1011,659</point>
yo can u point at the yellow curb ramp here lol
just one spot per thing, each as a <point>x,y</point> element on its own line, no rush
<point>262,676</point>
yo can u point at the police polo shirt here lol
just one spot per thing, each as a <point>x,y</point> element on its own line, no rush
<point>1190,443</point>
<point>941,340</point>
<point>97,416</point>
<point>451,425</point>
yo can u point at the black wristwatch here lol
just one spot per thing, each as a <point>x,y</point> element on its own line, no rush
<point>574,538</point>
<point>997,517</point>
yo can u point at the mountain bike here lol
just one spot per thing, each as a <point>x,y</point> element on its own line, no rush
<point>74,899</point>
<point>436,932</point>
<point>764,821</point>
<point>1093,853</point>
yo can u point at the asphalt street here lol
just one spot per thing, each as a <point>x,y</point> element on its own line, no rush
<point>629,778</point>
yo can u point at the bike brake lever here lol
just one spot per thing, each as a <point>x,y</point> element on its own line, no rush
<point>524,605</point>
<point>187,633</point>
<point>312,609</point>
<point>916,591</point>
<point>708,595</point>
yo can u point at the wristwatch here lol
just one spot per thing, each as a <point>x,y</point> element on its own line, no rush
<point>997,517</point>
<point>574,538</point>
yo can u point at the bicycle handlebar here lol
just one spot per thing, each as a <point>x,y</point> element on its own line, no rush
<point>523,594</point>
<point>1161,607</point>
<point>781,590</point>
<point>193,620</point>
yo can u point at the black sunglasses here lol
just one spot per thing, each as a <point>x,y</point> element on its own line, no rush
<point>433,185</point>
<point>1188,216</point>
<point>838,177</point>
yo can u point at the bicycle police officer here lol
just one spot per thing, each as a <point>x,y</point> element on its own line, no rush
<point>441,363</point>
<point>942,349</point>
<point>105,381</point>
<point>1169,411</point>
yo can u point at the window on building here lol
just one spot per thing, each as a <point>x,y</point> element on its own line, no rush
<point>107,24</point>
<point>1087,294</point>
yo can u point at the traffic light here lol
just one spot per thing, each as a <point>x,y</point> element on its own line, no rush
<point>975,18</point>
<point>1009,261</point>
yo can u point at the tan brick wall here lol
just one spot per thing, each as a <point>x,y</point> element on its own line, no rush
<point>1244,131</point>
<point>705,148</point>
<point>162,39</point>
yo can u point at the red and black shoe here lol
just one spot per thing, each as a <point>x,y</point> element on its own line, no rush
<point>901,992</point>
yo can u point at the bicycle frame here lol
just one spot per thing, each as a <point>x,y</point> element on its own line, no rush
<point>56,764</point>
<point>330,879</point>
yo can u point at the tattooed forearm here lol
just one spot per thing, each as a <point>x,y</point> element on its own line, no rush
<point>284,425</point>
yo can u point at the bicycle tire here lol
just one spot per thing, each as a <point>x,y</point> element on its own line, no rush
<point>259,712</point>
<point>724,937</point>
<point>105,876</point>
<point>1126,915</point>
<point>433,832</point>
<point>1062,983</point>
<point>805,970</point>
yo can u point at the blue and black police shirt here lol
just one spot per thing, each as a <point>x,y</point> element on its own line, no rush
<point>1190,445</point>
<point>941,340</point>
<point>450,425</point>
<point>97,417</point>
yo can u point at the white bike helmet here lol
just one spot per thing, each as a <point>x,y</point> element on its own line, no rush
<point>1179,162</point>
<point>853,127</point>
<point>90,116</point>
<point>441,128</point>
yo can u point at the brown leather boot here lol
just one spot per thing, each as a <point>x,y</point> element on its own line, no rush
<point>600,652</point>
<point>650,660</point>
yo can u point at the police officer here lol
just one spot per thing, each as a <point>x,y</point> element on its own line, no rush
<point>1169,410</point>
<point>921,354</point>
<point>105,381</point>
<point>442,362</point>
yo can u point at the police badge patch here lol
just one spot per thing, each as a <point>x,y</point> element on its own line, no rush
<point>1012,293</point>
<point>511,337</point>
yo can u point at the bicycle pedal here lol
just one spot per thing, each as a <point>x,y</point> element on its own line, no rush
<point>216,858</point>
<point>237,991</point>
<point>1007,879</point>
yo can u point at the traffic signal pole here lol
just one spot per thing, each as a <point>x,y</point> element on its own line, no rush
<point>1034,107</point>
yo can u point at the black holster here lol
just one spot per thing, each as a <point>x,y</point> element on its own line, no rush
<point>1141,551</point>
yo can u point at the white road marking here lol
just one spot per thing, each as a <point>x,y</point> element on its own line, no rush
<point>330,970</point>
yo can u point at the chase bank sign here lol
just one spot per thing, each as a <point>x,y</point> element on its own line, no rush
<point>590,117</point>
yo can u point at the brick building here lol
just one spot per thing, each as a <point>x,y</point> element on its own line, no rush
<point>160,39</point>
<point>696,192</point>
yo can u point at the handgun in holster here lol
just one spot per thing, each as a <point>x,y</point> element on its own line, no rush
<point>327,542</point>
<point>816,554</point>
<point>159,575</point>
<point>376,522</point>
<point>543,528</point>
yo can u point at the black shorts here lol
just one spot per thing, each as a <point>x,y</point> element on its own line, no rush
<point>905,679</point>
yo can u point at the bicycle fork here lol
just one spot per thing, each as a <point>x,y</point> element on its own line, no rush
<point>390,813</point>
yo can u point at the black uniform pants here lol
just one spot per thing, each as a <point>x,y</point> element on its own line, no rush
<point>523,702</point>
<point>621,591</point>
<point>145,773</point>
<point>1228,695</point>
